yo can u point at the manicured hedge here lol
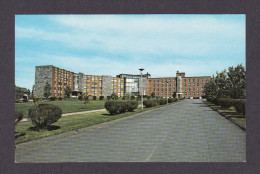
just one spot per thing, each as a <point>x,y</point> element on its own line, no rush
<point>132,97</point>
<point>60,98</point>
<point>94,98</point>
<point>225,102</point>
<point>240,105</point>
<point>132,105</point>
<point>108,97</point>
<point>118,107</point>
<point>150,103</point>
<point>101,97</point>
<point>171,100</point>
<point>43,115</point>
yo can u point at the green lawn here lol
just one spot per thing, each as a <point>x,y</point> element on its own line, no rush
<point>231,113</point>
<point>69,123</point>
<point>67,105</point>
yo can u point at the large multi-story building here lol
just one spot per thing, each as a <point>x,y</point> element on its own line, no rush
<point>79,83</point>
<point>56,77</point>
<point>179,86</point>
<point>123,84</point>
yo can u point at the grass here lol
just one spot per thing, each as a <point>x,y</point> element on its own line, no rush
<point>69,123</point>
<point>231,114</point>
<point>67,105</point>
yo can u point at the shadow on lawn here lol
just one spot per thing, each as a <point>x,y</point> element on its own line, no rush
<point>49,128</point>
<point>19,135</point>
<point>116,114</point>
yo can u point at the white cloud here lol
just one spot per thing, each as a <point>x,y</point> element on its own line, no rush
<point>150,34</point>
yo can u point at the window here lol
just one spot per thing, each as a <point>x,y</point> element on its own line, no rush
<point>169,89</point>
<point>184,80</point>
<point>189,80</point>
<point>198,80</point>
<point>201,80</point>
<point>154,89</point>
<point>184,84</point>
<point>197,84</point>
<point>193,84</point>
<point>193,80</point>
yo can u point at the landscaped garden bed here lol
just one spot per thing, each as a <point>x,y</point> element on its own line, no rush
<point>230,114</point>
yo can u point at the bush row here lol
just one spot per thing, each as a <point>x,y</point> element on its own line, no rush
<point>118,107</point>
<point>160,101</point>
<point>225,103</point>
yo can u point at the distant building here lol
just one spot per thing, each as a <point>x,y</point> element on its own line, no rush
<point>179,86</point>
<point>132,84</point>
<point>123,84</point>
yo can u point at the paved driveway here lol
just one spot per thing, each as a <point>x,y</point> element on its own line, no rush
<point>186,131</point>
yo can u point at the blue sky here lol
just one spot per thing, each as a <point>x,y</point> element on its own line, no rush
<point>114,44</point>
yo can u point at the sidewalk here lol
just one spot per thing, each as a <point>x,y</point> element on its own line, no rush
<point>76,113</point>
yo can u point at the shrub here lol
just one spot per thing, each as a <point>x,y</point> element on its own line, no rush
<point>60,98</point>
<point>131,105</point>
<point>132,97</point>
<point>240,105</point>
<point>123,107</point>
<point>162,101</point>
<point>43,115</point>
<point>25,100</point>
<point>113,107</point>
<point>94,97</point>
<point>145,96</point>
<point>225,102</point>
<point>101,98</point>
<point>171,100</point>
<point>114,96</point>
<point>215,101</point>
<point>80,97</point>
<point>108,97</point>
<point>150,103</point>
<point>52,98</point>
<point>35,99</point>
<point>18,116</point>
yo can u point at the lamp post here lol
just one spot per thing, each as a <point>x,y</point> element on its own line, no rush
<point>141,86</point>
<point>167,92</point>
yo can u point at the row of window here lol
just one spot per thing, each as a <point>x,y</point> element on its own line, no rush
<point>194,80</point>
<point>158,81</point>
<point>169,80</point>
<point>194,84</point>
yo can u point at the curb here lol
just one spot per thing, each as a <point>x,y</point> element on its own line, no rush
<point>227,117</point>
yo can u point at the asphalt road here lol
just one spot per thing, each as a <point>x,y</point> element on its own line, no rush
<point>187,131</point>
